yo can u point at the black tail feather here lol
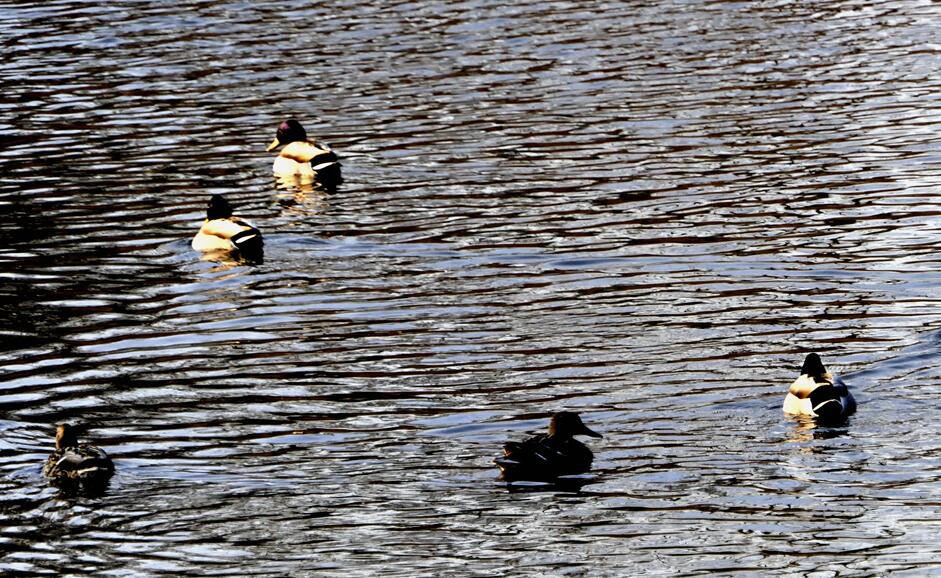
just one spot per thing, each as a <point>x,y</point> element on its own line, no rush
<point>249,244</point>
<point>827,403</point>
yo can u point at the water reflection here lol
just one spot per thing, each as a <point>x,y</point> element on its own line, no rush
<point>639,213</point>
<point>806,429</point>
<point>304,198</point>
<point>567,484</point>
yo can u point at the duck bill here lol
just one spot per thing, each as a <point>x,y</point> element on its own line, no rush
<point>589,432</point>
<point>274,144</point>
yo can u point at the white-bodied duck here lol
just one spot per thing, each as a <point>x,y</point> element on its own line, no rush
<point>300,157</point>
<point>221,232</point>
<point>818,393</point>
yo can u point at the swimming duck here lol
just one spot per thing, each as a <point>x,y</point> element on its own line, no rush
<point>77,464</point>
<point>224,233</point>
<point>547,456</point>
<point>818,393</point>
<point>302,157</point>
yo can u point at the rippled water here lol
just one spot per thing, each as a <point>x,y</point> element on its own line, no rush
<point>644,212</point>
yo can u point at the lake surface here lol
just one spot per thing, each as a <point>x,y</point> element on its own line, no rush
<point>646,212</point>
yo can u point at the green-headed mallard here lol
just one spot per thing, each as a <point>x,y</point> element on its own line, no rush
<point>818,393</point>
<point>74,464</point>
<point>302,157</point>
<point>547,456</point>
<point>221,232</point>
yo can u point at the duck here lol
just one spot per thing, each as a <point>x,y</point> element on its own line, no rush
<point>818,393</point>
<point>545,457</point>
<point>221,232</point>
<point>300,157</point>
<point>74,464</point>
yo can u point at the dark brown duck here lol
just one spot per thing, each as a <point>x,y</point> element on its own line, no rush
<point>545,457</point>
<point>74,464</point>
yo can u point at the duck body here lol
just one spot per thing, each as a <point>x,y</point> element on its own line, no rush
<point>231,234</point>
<point>545,457</point>
<point>819,394</point>
<point>303,158</point>
<point>74,464</point>
<point>222,232</point>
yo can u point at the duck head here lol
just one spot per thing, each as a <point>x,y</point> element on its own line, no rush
<point>566,424</point>
<point>813,367</point>
<point>218,208</point>
<point>66,436</point>
<point>288,131</point>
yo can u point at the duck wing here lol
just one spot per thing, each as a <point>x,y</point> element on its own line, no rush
<point>79,463</point>
<point>226,228</point>
<point>307,152</point>
<point>542,457</point>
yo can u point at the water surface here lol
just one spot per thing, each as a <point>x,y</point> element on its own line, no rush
<point>644,212</point>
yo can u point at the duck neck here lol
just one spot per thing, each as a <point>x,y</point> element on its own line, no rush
<point>65,439</point>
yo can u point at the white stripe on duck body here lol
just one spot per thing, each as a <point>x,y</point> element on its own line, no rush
<point>222,232</point>
<point>303,157</point>
<point>545,457</point>
<point>818,393</point>
<point>77,464</point>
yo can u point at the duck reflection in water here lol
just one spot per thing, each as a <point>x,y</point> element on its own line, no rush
<point>550,457</point>
<point>75,467</point>
<point>807,429</point>
<point>300,197</point>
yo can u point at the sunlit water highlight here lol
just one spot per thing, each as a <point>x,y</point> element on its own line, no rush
<point>647,213</point>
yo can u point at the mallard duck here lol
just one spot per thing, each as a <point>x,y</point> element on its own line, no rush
<point>77,464</point>
<point>302,157</point>
<point>818,393</point>
<point>547,456</point>
<point>224,233</point>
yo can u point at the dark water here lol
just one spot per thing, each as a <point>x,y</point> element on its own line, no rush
<point>644,212</point>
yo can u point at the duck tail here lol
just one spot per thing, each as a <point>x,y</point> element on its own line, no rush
<point>830,410</point>
<point>825,402</point>
<point>249,244</point>
<point>327,173</point>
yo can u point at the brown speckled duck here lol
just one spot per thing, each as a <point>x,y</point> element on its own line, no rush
<point>74,464</point>
<point>300,157</point>
<point>545,457</point>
